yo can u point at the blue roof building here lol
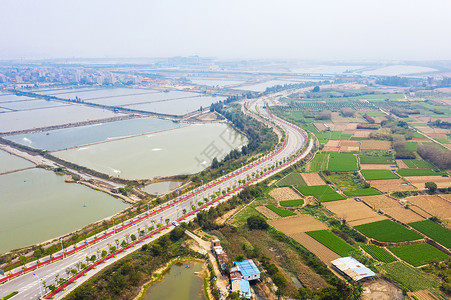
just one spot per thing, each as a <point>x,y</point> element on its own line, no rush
<point>248,269</point>
<point>245,289</point>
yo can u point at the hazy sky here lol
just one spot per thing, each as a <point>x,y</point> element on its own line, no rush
<point>312,29</point>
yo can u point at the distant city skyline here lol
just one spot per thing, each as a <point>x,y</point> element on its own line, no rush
<point>309,30</point>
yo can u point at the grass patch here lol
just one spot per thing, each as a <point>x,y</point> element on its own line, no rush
<point>434,231</point>
<point>418,135</point>
<point>10,295</point>
<point>412,146</point>
<point>442,140</point>
<point>382,160</point>
<point>346,181</point>
<point>325,136</point>
<point>388,231</point>
<point>331,241</point>
<point>418,172</point>
<point>289,203</point>
<point>418,164</point>
<point>362,192</point>
<point>378,174</point>
<point>379,253</point>
<point>373,113</point>
<point>359,138</point>
<point>323,193</point>
<point>294,178</point>
<point>342,162</point>
<point>280,211</point>
<point>319,163</point>
<point>412,278</point>
<point>419,254</point>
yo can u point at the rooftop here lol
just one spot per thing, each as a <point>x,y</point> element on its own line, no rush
<point>247,267</point>
<point>353,268</point>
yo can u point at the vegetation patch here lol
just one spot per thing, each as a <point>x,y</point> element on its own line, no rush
<point>323,193</point>
<point>331,241</point>
<point>434,231</point>
<point>376,160</point>
<point>362,192</point>
<point>419,254</point>
<point>347,181</point>
<point>418,164</point>
<point>280,211</point>
<point>378,174</point>
<point>342,162</point>
<point>294,178</point>
<point>388,231</point>
<point>289,203</point>
<point>379,253</point>
<point>418,172</point>
<point>319,163</point>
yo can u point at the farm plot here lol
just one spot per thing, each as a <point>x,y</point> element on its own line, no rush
<point>331,241</point>
<point>280,211</point>
<point>324,254</point>
<point>361,192</point>
<point>312,179</point>
<point>378,174</point>
<point>319,163</point>
<point>267,212</point>
<point>298,223</point>
<point>418,164</point>
<point>323,193</point>
<point>352,211</point>
<point>392,208</point>
<point>293,178</point>
<point>379,253</point>
<point>376,160</point>
<point>377,167</point>
<point>342,162</point>
<point>285,193</point>
<point>418,172</point>
<point>434,231</point>
<point>433,204</point>
<point>372,144</point>
<point>391,185</point>
<point>291,203</point>
<point>418,254</point>
<point>419,181</point>
<point>388,231</point>
<point>408,276</point>
<point>401,164</point>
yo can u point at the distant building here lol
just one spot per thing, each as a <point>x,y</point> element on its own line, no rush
<point>352,268</point>
<point>243,287</point>
<point>248,269</point>
<point>219,253</point>
<point>240,275</point>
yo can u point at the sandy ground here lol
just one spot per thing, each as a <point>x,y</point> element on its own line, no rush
<point>312,179</point>
<point>284,193</point>
<point>352,210</point>
<point>295,224</point>
<point>380,289</point>
<point>390,185</point>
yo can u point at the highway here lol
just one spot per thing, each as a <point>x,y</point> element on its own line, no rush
<point>181,209</point>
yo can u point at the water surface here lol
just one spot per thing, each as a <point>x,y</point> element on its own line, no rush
<point>163,187</point>
<point>9,162</point>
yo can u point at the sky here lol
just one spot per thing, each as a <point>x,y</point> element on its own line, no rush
<point>278,29</point>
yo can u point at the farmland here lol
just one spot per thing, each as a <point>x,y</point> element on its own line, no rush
<point>294,178</point>
<point>323,193</point>
<point>434,231</point>
<point>285,193</point>
<point>388,231</point>
<point>353,211</point>
<point>319,162</point>
<point>342,162</point>
<point>379,253</point>
<point>418,164</point>
<point>361,192</point>
<point>280,211</point>
<point>378,174</point>
<point>418,254</point>
<point>331,241</point>
<point>412,278</point>
<point>290,203</point>
<point>418,172</point>
<point>376,160</point>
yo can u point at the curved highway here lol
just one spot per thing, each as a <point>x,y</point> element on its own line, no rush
<point>152,224</point>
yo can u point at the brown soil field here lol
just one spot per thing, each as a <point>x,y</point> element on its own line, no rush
<point>352,210</point>
<point>380,289</point>
<point>367,220</point>
<point>420,211</point>
<point>377,167</point>
<point>349,148</point>
<point>267,212</point>
<point>370,144</point>
<point>342,145</point>
<point>349,143</point>
<point>320,126</point>
<point>432,130</point>
<point>421,140</point>
<point>392,208</point>
<point>438,135</point>
<point>329,148</point>
<point>401,164</point>
<point>379,119</point>
<point>312,179</point>
<point>284,193</point>
<point>419,181</point>
<point>333,143</point>
<point>422,295</point>
<point>390,185</point>
<point>296,224</point>
<point>324,254</point>
<point>433,204</point>
<point>348,131</point>
<point>362,133</point>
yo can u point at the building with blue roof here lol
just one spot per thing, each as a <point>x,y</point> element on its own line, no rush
<point>352,268</point>
<point>248,269</point>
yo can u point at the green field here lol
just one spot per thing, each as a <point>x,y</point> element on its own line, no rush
<point>280,211</point>
<point>342,162</point>
<point>331,241</point>
<point>379,253</point>
<point>388,231</point>
<point>376,160</point>
<point>373,113</point>
<point>294,178</point>
<point>410,277</point>
<point>412,146</point>
<point>418,172</point>
<point>361,192</point>
<point>418,164</point>
<point>434,231</point>
<point>442,140</point>
<point>324,136</point>
<point>319,163</point>
<point>359,138</point>
<point>323,193</point>
<point>419,254</point>
<point>288,203</point>
<point>378,174</point>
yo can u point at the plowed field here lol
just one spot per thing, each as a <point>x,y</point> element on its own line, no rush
<point>312,179</point>
<point>392,208</point>
<point>390,185</point>
<point>352,210</point>
<point>285,193</point>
